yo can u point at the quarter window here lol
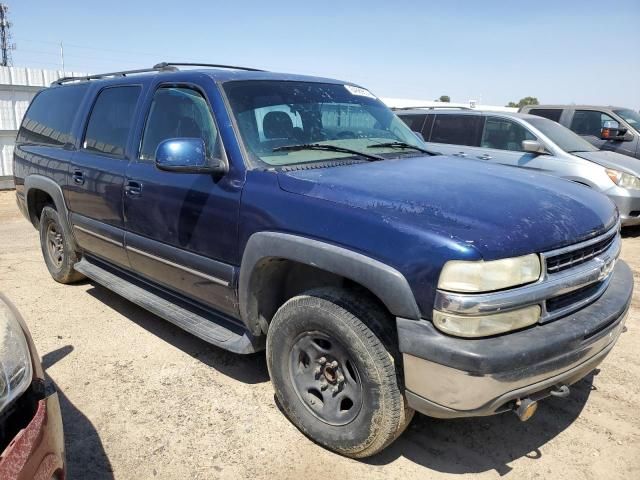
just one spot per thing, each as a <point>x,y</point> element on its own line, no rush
<point>589,122</point>
<point>110,121</point>
<point>457,129</point>
<point>50,117</point>
<point>179,112</point>
<point>414,122</point>
<point>503,134</point>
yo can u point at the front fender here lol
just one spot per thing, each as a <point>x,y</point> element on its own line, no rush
<point>388,284</point>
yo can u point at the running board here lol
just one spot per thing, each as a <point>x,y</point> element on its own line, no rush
<point>208,326</point>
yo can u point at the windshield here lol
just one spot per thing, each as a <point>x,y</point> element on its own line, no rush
<point>631,117</point>
<point>275,114</point>
<point>564,138</point>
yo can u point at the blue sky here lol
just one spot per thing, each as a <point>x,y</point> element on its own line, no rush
<point>492,50</point>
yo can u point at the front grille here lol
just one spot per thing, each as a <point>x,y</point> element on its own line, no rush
<point>564,261</point>
<point>562,301</point>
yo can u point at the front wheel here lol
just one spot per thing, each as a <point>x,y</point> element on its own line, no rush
<point>332,362</point>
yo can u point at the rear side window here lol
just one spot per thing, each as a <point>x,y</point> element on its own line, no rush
<point>415,122</point>
<point>49,119</point>
<point>457,129</point>
<point>589,122</point>
<point>110,120</point>
<point>550,113</point>
<point>179,112</point>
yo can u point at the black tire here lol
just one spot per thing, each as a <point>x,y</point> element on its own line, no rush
<point>361,341</point>
<point>58,254</point>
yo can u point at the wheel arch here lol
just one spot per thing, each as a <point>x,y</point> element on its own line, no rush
<point>37,189</point>
<point>268,255</point>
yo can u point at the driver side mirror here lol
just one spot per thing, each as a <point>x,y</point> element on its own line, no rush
<point>533,146</point>
<point>420,136</point>
<point>187,155</point>
<point>611,131</point>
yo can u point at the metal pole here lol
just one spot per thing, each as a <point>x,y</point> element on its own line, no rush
<point>62,57</point>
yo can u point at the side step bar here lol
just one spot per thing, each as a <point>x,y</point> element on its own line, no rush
<point>208,326</point>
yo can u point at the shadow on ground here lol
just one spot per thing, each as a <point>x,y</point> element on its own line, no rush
<point>476,445</point>
<point>631,232</point>
<point>85,455</point>
<point>451,446</point>
<point>249,369</point>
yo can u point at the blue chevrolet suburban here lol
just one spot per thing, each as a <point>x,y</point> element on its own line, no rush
<point>299,215</point>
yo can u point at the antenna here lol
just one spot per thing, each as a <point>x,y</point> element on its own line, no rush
<point>5,36</point>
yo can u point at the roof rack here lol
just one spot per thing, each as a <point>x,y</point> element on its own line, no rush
<point>158,67</point>
<point>212,65</point>
<point>432,107</point>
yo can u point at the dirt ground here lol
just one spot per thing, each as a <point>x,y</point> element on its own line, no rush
<point>143,399</point>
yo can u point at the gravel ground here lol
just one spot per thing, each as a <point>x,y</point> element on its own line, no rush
<point>143,399</point>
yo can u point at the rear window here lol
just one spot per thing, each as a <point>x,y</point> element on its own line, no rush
<point>550,113</point>
<point>50,116</point>
<point>457,129</point>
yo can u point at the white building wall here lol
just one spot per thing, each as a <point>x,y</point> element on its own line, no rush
<point>17,87</point>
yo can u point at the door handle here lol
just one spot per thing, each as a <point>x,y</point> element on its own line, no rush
<point>78,177</point>
<point>133,189</point>
<point>460,154</point>
<point>485,156</point>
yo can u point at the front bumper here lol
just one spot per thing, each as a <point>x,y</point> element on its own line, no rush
<point>628,203</point>
<point>37,451</point>
<point>450,377</point>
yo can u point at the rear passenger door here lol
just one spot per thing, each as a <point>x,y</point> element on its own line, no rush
<point>182,227</point>
<point>456,134</point>
<point>97,174</point>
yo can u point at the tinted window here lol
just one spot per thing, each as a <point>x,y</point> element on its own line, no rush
<point>504,134</point>
<point>456,129</point>
<point>589,122</point>
<point>50,117</point>
<point>631,117</point>
<point>550,113</point>
<point>179,112</point>
<point>564,138</point>
<point>110,120</point>
<point>415,122</point>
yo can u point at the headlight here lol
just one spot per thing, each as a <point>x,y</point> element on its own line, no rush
<point>480,276</point>
<point>15,360</point>
<point>486,325</point>
<point>624,180</point>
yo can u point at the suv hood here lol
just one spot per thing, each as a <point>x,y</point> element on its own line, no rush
<point>502,211</point>
<point>612,160</point>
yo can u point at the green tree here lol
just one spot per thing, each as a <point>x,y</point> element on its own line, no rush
<point>524,101</point>
<point>444,98</point>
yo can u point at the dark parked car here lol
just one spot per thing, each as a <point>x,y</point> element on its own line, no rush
<point>299,214</point>
<point>31,438</point>
<point>607,128</point>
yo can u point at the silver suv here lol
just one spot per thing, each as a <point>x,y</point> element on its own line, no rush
<point>533,142</point>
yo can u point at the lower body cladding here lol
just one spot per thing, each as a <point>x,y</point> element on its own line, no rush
<point>448,377</point>
<point>37,451</point>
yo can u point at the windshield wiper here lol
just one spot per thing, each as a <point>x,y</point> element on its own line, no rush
<point>403,145</point>
<point>327,148</point>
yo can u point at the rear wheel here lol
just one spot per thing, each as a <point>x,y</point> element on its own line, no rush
<point>58,254</point>
<point>333,364</point>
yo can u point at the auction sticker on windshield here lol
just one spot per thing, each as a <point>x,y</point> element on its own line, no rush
<point>363,92</point>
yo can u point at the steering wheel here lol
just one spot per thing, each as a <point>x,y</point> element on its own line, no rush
<point>346,134</point>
